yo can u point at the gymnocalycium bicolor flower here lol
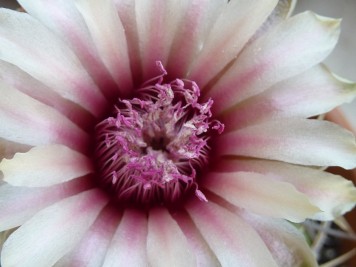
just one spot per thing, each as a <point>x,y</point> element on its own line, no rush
<point>168,132</point>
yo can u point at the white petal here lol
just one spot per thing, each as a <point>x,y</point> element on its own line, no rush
<point>233,241</point>
<point>312,93</point>
<point>166,243</point>
<point>157,23</point>
<point>235,25</point>
<point>286,243</point>
<point>18,204</point>
<point>128,246</point>
<point>288,49</point>
<point>92,248</point>
<point>285,8</point>
<point>45,166</point>
<point>27,121</point>
<point>32,47</point>
<point>262,194</point>
<point>193,30</point>
<point>205,257</point>
<point>22,81</point>
<point>63,18</point>
<point>282,11</point>
<point>52,232</point>
<point>332,194</point>
<point>127,14</point>
<point>108,35</point>
<point>299,141</point>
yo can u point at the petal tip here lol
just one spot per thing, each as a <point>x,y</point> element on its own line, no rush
<point>330,23</point>
<point>337,77</point>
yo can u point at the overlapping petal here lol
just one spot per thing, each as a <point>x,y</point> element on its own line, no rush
<point>204,254</point>
<point>128,245</point>
<point>75,215</point>
<point>126,12</point>
<point>45,166</point>
<point>18,204</point>
<point>200,16</point>
<point>25,83</point>
<point>156,29</point>
<point>284,240</point>
<point>261,194</point>
<point>299,141</point>
<point>231,239</point>
<point>51,62</point>
<point>27,121</point>
<point>94,245</point>
<point>332,194</point>
<point>311,93</point>
<point>108,35</point>
<point>288,49</point>
<point>236,23</point>
<point>63,18</point>
<point>283,10</point>
<point>165,235</point>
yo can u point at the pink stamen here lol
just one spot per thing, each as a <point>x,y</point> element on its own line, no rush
<point>152,147</point>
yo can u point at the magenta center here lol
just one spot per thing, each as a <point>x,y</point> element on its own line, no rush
<point>153,146</point>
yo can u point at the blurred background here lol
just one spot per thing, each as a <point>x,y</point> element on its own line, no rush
<point>8,3</point>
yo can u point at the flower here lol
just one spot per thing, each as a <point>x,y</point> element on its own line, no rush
<point>168,133</point>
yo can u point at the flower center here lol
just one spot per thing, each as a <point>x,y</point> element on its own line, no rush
<point>151,149</point>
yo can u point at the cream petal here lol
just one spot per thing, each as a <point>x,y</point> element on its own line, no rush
<point>32,47</point>
<point>45,166</point>
<point>233,241</point>
<point>166,243</point>
<point>127,14</point>
<point>286,243</point>
<point>128,246</point>
<point>108,35</point>
<point>285,8</point>
<point>63,18</point>
<point>53,232</point>
<point>312,93</point>
<point>25,120</point>
<point>203,253</point>
<point>16,78</point>
<point>282,11</point>
<point>18,204</point>
<point>235,25</point>
<point>298,141</point>
<point>193,30</point>
<point>92,248</point>
<point>332,194</point>
<point>157,24</point>
<point>287,50</point>
<point>262,194</point>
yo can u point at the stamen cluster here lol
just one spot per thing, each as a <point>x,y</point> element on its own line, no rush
<point>153,146</point>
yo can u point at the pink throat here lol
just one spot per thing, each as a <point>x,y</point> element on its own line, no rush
<point>150,150</point>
